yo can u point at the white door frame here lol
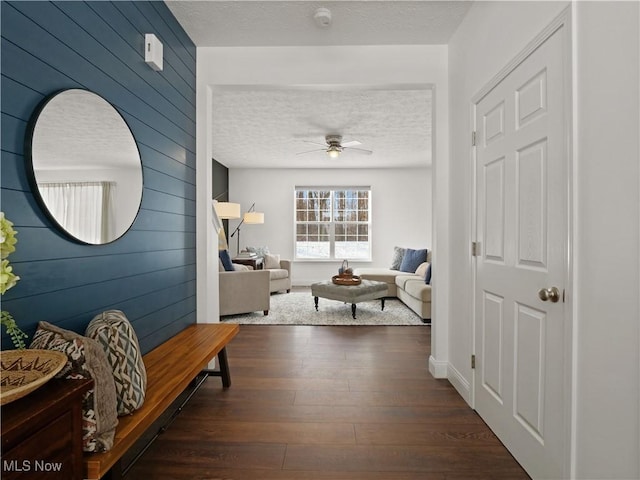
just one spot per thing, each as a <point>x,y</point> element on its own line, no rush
<point>564,21</point>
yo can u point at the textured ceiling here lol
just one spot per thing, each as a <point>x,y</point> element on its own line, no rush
<point>79,130</point>
<point>260,127</point>
<point>268,128</point>
<point>218,23</point>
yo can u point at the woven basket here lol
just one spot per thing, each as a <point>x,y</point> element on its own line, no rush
<point>346,280</point>
<point>25,370</point>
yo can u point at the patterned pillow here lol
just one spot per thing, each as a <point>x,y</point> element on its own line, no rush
<point>260,251</point>
<point>398,255</point>
<point>113,331</point>
<point>85,360</point>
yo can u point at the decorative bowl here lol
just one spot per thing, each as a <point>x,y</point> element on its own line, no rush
<point>25,370</point>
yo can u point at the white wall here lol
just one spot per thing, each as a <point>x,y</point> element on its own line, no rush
<point>606,220</point>
<point>608,240</point>
<point>349,65</point>
<point>401,204</point>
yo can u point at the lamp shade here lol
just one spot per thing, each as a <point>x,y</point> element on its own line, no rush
<point>254,217</point>
<point>227,210</point>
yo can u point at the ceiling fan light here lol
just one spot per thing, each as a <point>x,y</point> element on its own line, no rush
<point>333,151</point>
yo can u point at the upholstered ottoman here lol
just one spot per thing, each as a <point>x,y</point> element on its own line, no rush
<point>367,290</point>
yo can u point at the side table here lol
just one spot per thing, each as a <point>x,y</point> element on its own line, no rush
<point>257,262</point>
<point>42,432</point>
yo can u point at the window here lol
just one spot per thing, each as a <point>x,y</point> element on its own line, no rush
<point>333,223</point>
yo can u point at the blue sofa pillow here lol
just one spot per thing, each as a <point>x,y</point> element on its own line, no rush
<point>427,277</point>
<point>412,259</point>
<point>225,258</point>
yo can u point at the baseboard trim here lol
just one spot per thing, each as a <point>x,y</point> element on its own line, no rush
<point>460,383</point>
<point>437,368</point>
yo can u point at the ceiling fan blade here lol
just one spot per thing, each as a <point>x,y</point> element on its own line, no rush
<point>361,150</point>
<point>311,151</point>
<point>352,143</point>
<point>315,143</point>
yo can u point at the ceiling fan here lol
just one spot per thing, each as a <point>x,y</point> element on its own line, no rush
<point>334,146</point>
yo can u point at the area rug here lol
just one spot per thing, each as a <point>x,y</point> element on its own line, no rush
<point>296,308</point>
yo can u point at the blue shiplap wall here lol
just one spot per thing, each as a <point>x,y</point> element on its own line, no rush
<point>150,273</point>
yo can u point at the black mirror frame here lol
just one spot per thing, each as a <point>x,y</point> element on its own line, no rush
<point>31,173</point>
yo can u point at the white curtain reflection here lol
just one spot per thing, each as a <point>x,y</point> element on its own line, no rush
<point>84,209</point>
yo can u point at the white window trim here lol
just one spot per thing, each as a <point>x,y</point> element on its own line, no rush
<point>332,257</point>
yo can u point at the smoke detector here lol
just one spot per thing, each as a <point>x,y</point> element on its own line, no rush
<point>322,17</point>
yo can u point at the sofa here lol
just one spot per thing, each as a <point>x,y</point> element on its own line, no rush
<point>410,287</point>
<point>244,291</point>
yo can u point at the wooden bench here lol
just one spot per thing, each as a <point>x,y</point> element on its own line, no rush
<point>170,367</point>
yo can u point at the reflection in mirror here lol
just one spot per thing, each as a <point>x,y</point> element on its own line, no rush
<point>86,166</point>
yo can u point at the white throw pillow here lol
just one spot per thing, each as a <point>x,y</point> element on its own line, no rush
<point>271,261</point>
<point>260,251</point>
<point>422,269</point>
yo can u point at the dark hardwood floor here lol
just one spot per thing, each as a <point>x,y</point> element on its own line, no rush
<point>328,403</point>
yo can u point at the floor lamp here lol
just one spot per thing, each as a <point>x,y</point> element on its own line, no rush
<point>250,217</point>
<point>227,210</point>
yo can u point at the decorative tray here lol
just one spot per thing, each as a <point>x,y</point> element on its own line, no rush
<point>25,370</point>
<point>346,280</point>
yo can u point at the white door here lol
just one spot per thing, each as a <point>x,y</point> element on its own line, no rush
<point>522,150</point>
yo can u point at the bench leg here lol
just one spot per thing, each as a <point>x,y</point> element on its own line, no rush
<point>224,372</point>
<point>382,302</point>
<point>224,368</point>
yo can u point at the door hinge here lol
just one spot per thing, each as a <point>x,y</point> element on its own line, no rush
<point>473,139</point>
<point>473,361</point>
<point>475,249</point>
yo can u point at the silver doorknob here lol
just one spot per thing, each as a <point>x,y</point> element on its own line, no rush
<point>551,294</point>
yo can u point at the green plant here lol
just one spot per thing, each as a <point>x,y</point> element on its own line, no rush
<point>17,336</point>
<point>8,279</point>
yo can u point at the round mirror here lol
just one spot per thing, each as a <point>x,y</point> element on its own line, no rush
<point>86,166</point>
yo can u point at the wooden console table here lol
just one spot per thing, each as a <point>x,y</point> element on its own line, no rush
<point>42,432</point>
<point>256,263</point>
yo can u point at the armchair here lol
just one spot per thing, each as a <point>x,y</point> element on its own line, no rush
<point>244,291</point>
<point>279,270</point>
<point>279,274</point>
